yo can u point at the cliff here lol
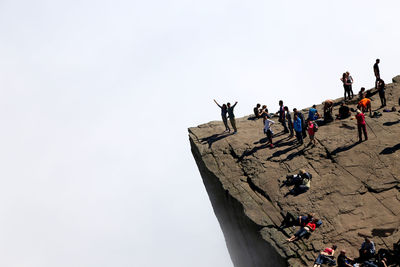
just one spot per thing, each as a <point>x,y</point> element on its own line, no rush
<point>354,189</point>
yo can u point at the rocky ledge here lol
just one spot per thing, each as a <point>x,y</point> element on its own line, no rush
<point>354,189</point>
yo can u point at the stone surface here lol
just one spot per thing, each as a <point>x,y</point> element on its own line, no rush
<point>354,190</point>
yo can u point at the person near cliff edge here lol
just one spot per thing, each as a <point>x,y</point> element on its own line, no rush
<point>232,116</point>
<point>282,119</point>
<point>326,256</point>
<point>361,125</point>
<point>310,227</point>
<point>224,111</point>
<point>377,72</point>
<point>290,220</point>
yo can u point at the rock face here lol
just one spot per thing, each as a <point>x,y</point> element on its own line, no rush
<point>354,189</point>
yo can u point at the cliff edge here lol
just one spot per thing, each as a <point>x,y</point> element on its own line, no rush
<point>355,189</point>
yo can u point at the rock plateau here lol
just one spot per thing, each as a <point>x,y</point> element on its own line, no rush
<point>355,188</point>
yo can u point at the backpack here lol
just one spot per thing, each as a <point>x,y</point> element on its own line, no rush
<point>315,127</point>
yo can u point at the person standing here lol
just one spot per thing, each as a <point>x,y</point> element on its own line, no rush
<point>346,86</point>
<point>268,131</point>
<point>289,121</point>
<point>282,119</point>
<point>232,116</point>
<point>224,111</point>
<point>303,121</point>
<point>298,128</point>
<point>311,128</point>
<point>350,83</point>
<point>377,72</point>
<point>381,90</point>
<point>361,125</point>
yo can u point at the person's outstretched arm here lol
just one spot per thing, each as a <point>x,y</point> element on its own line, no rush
<point>234,104</point>
<point>217,103</point>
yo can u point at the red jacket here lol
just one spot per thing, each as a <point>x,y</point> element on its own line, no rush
<point>360,118</point>
<point>311,225</point>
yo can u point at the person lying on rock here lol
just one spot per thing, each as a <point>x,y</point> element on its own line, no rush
<point>343,260</point>
<point>367,250</point>
<point>308,229</point>
<point>291,220</point>
<point>326,256</point>
<point>301,182</point>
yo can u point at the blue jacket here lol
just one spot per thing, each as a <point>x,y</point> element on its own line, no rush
<point>297,125</point>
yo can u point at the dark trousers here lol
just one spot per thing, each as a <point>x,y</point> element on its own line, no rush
<point>346,91</point>
<point>285,129</point>
<point>225,120</point>
<point>362,127</point>
<point>269,135</point>
<point>233,123</point>
<point>299,136</point>
<point>383,98</point>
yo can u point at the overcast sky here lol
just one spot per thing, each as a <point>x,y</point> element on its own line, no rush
<point>96,98</point>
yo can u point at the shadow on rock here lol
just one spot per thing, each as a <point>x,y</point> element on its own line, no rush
<point>343,148</point>
<point>390,123</point>
<point>390,150</point>
<point>213,138</point>
<point>247,153</point>
<point>383,232</point>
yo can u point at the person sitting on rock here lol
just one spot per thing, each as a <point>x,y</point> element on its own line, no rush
<point>308,229</point>
<point>365,105</point>
<point>328,106</point>
<point>367,250</point>
<point>343,260</point>
<point>291,220</point>
<point>300,181</point>
<point>256,111</point>
<point>344,112</point>
<point>326,256</point>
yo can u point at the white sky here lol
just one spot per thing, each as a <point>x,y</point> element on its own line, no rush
<point>96,98</point>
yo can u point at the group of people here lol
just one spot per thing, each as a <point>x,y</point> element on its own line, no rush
<point>227,109</point>
<point>367,257</point>
<point>295,124</point>
<point>309,223</point>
